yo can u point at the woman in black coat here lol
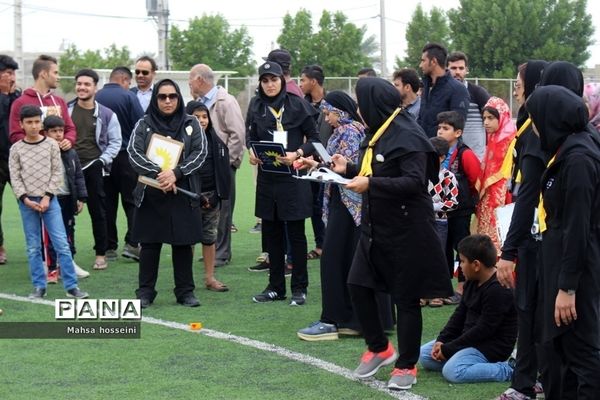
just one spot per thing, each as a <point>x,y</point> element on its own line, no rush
<point>399,251</point>
<point>282,201</point>
<point>570,226</point>
<point>163,215</point>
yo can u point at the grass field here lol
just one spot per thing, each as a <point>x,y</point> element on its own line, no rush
<point>172,363</point>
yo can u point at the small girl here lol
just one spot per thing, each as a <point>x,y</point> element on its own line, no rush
<point>492,184</point>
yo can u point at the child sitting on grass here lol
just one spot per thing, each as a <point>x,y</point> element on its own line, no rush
<point>481,334</point>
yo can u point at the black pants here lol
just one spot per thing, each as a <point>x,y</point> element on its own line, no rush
<point>409,325</point>
<point>122,180</point>
<point>458,229</point>
<point>274,235</point>
<point>223,244</point>
<point>4,179</point>
<point>317,214</point>
<point>96,204</point>
<point>68,217</point>
<point>580,367</point>
<point>182,259</point>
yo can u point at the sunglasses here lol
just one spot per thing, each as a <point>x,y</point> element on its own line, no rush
<point>170,96</point>
<point>142,71</point>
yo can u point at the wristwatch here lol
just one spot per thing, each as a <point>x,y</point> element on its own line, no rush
<point>298,155</point>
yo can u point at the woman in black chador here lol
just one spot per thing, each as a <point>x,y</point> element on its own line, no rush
<point>399,251</point>
<point>569,218</point>
<point>163,215</point>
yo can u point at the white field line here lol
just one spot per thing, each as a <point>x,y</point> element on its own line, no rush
<point>283,352</point>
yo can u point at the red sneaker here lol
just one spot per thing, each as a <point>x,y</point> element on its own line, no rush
<point>402,379</point>
<point>371,362</point>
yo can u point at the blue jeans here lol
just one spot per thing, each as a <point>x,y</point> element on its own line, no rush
<point>56,230</point>
<point>468,365</point>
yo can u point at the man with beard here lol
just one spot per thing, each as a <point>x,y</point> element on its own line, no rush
<point>145,72</point>
<point>98,143</point>
<point>441,92</point>
<point>473,134</point>
<point>407,82</point>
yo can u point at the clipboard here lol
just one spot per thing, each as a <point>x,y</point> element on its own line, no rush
<point>267,153</point>
<point>163,151</point>
<point>322,152</point>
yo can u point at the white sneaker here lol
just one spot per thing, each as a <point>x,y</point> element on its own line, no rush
<point>80,272</point>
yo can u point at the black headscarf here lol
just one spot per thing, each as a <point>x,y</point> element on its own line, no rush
<point>533,74</point>
<point>277,101</point>
<point>556,113</point>
<point>563,73</point>
<point>377,101</point>
<point>342,101</point>
<point>168,125</point>
<point>198,105</point>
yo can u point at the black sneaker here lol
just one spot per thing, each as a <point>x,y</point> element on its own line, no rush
<point>38,293</point>
<point>77,294</point>
<point>189,301</point>
<point>145,302</point>
<point>298,299</point>
<point>260,267</point>
<point>267,296</point>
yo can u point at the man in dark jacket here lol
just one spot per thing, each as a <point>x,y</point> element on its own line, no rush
<point>123,178</point>
<point>8,94</point>
<point>441,92</point>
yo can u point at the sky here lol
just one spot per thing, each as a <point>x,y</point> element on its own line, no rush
<point>98,24</point>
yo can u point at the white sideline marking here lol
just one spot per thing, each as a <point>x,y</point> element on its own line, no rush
<point>281,351</point>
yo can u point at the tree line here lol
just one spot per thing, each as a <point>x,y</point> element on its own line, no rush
<point>497,35</point>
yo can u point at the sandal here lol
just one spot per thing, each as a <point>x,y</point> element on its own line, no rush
<point>435,303</point>
<point>217,286</point>
<point>313,255</point>
<point>100,265</point>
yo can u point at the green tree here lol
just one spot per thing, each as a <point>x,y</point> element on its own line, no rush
<point>72,60</point>
<point>498,35</point>
<point>423,28</point>
<point>339,46</point>
<point>210,40</point>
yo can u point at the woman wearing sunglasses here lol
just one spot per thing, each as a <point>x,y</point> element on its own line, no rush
<point>163,215</point>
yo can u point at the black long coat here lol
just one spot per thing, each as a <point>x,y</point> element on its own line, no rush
<point>277,195</point>
<point>571,199</point>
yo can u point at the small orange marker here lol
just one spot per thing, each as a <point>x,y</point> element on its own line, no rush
<point>195,326</point>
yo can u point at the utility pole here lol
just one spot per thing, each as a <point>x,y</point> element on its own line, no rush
<point>160,10</point>
<point>383,43</point>
<point>18,45</point>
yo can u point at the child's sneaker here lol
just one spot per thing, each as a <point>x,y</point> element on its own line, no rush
<point>267,296</point>
<point>402,379</point>
<point>37,293</point>
<point>371,362</point>
<point>52,276</point>
<point>77,294</point>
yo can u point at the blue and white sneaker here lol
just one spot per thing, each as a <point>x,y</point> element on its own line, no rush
<point>318,331</point>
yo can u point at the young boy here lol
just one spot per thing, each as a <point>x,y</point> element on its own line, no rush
<point>215,175</point>
<point>480,335</point>
<point>71,195</point>
<point>464,164</point>
<point>445,198</point>
<point>36,174</point>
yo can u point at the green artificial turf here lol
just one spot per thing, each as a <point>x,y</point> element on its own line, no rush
<point>170,363</point>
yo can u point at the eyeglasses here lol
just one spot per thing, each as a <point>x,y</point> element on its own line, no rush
<point>170,96</point>
<point>144,72</point>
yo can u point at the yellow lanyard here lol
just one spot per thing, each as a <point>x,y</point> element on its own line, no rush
<point>508,164</point>
<point>541,209</point>
<point>277,115</point>
<point>365,167</point>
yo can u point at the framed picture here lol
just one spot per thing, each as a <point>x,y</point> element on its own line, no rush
<point>267,153</point>
<point>163,151</point>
